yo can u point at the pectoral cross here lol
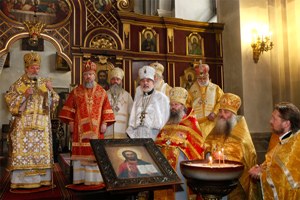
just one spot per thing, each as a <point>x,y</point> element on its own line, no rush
<point>117,108</point>
<point>142,117</point>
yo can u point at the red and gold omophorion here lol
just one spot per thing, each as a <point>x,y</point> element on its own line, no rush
<point>175,141</point>
<point>185,136</point>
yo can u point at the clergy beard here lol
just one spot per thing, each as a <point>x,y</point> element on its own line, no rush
<point>224,127</point>
<point>176,116</point>
<point>278,131</point>
<point>89,84</point>
<point>32,76</point>
<point>204,84</point>
<point>147,89</point>
<point>115,89</point>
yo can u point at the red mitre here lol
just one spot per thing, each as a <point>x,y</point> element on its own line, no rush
<point>89,66</point>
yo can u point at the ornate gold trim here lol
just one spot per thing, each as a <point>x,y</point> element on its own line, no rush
<point>125,5</point>
<point>170,36</point>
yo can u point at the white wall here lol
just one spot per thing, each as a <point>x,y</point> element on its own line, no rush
<point>190,10</point>
<point>194,10</point>
<point>9,75</point>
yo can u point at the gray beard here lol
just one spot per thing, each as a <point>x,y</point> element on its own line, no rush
<point>89,84</point>
<point>224,127</point>
<point>176,116</point>
<point>34,76</point>
<point>147,89</point>
<point>115,89</point>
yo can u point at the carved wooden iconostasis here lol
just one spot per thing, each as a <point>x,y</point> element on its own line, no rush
<point>93,29</point>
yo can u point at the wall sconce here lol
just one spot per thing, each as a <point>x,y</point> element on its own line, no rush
<point>260,44</point>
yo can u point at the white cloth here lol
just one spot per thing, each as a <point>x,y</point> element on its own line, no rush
<point>86,174</point>
<point>124,104</point>
<point>181,194</point>
<point>19,177</point>
<point>157,114</point>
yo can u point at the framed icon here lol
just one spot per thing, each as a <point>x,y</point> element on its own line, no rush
<point>149,40</point>
<point>151,169</point>
<point>195,45</point>
<point>61,64</point>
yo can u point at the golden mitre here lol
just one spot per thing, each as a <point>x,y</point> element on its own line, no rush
<point>89,66</point>
<point>31,59</point>
<point>230,102</point>
<point>116,72</point>
<point>179,95</point>
<point>159,68</point>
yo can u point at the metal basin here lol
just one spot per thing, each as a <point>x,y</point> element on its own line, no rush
<point>212,181</point>
<point>202,170</point>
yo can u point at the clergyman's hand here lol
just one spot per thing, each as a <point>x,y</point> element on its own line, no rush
<point>49,85</point>
<point>211,116</point>
<point>28,92</point>
<point>255,172</point>
<point>103,127</point>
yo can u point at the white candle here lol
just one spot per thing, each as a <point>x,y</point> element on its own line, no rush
<point>223,155</point>
<point>210,160</point>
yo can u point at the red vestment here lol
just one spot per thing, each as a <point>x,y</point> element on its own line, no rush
<point>185,136</point>
<point>88,109</point>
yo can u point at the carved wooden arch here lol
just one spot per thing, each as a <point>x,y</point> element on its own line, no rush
<point>105,33</point>
<point>57,46</point>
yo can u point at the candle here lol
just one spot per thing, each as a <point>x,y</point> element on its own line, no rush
<point>223,155</point>
<point>219,157</point>
<point>210,160</point>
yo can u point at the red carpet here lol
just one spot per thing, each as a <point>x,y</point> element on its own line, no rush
<point>81,187</point>
<point>61,179</point>
<point>59,192</point>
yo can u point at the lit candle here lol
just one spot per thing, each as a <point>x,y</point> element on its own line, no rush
<point>219,157</point>
<point>210,160</point>
<point>223,155</point>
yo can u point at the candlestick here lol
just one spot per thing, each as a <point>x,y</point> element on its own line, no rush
<point>223,155</point>
<point>219,157</point>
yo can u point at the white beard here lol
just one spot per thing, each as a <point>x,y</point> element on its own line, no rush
<point>204,84</point>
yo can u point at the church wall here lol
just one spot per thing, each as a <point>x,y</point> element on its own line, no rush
<point>242,76</point>
<point>75,39</point>
<point>61,79</point>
